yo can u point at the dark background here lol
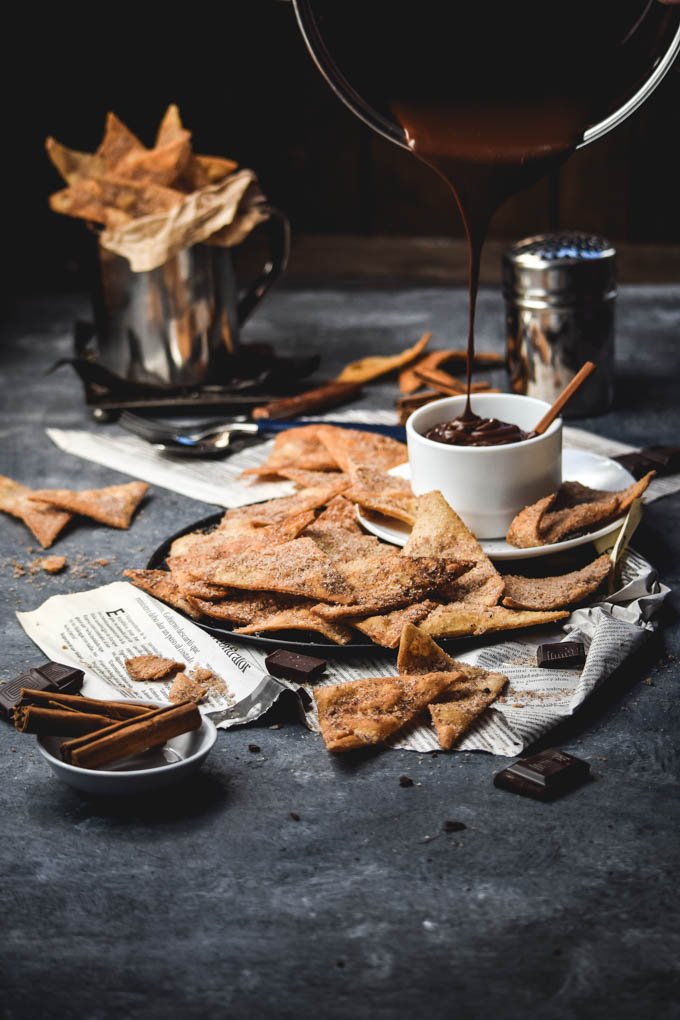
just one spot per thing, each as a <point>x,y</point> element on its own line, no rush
<point>248,89</point>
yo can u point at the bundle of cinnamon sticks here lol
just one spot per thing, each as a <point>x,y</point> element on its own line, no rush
<point>101,732</point>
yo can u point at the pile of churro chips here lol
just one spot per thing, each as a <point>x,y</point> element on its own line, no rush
<point>303,563</point>
<point>152,202</point>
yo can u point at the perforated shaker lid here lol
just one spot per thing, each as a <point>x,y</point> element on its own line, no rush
<point>560,268</point>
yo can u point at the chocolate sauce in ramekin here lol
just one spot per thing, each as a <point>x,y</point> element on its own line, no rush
<point>471,430</point>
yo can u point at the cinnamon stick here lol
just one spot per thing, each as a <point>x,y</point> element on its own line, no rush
<point>111,709</point>
<point>319,399</point>
<point>56,722</point>
<point>449,384</point>
<point>565,396</point>
<point>124,739</point>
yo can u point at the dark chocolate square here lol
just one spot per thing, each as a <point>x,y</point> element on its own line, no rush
<point>545,775</point>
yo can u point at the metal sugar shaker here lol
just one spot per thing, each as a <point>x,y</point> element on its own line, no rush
<point>560,292</point>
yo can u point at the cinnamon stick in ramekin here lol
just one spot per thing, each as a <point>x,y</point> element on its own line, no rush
<point>124,739</point>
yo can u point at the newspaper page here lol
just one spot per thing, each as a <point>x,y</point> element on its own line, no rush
<point>220,482</point>
<point>97,630</point>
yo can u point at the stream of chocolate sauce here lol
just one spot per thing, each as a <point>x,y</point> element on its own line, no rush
<point>485,152</point>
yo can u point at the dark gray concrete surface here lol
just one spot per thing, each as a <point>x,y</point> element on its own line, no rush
<point>210,900</point>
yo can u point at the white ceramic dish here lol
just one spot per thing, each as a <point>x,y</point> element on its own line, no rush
<point>177,759</point>
<point>577,466</point>
<point>488,485</point>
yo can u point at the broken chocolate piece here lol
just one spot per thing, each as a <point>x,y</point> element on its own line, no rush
<point>545,775</point>
<point>300,669</point>
<point>561,655</point>
<point>51,676</point>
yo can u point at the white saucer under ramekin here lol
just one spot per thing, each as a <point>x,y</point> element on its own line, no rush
<point>577,466</point>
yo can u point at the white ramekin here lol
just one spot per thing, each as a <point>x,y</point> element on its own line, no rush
<point>486,485</point>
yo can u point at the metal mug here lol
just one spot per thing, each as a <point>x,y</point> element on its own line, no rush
<point>173,325</point>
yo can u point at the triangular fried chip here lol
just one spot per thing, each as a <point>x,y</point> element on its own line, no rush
<point>524,531</point>
<point>115,505</point>
<point>556,592</point>
<point>340,545</point>
<point>418,653</point>
<point>438,531</point>
<point>353,446</point>
<point>243,607</point>
<point>71,164</point>
<point>365,712</point>
<point>374,366</point>
<point>299,448</point>
<point>460,620</point>
<point>574,508</point>
<point>309,479</point>
<point>83,199</point>
<point>42,520</point>
<point>457,709</point>
<point>162,165</point>
<point>384,494</point>
<point>387,580</point>
<point>298,567</point>
<point>339,513</point>
<point>386,630</point>
<point>202,171</point>
<point>299,619</point>
<point>276,511</point>
<point>117,142</point>
<point>578,508</point>
<point>170,127</point>
<point>159,583</point>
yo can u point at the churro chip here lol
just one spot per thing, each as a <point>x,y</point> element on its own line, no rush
<point>365,712</point>
<point>459,620</point>
<point>454,712</point>
<point>352,446</point>
<point>339,513</point>
<point>574,508</point>
<point>341,545</point>
<point>388,580</point>
<point>204,170</point>
<point>243,607</point>
<point>160,584</point>
<point>298,448</point>
<point>524,531</point>
<point>151,667</point>
<point>418,653</point>
<point>310,479</point>
<point>188,688</point>
<point>170,127</point>
<point>578,508</point>
<point>162,165</point>
<point>375,490</point>
<point>115,505</point>
<point>84,200</point>
<point>71,164</point>
<point>386,630</point>
<point>366,369</point>
<point>438,531</point>
<point>41,519</point>
<point>299,619</point>
<point>118,142</point>
<point>556,592</point>
<point>298,568</point>
<point>276,511</point>
<point>185,543</point>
